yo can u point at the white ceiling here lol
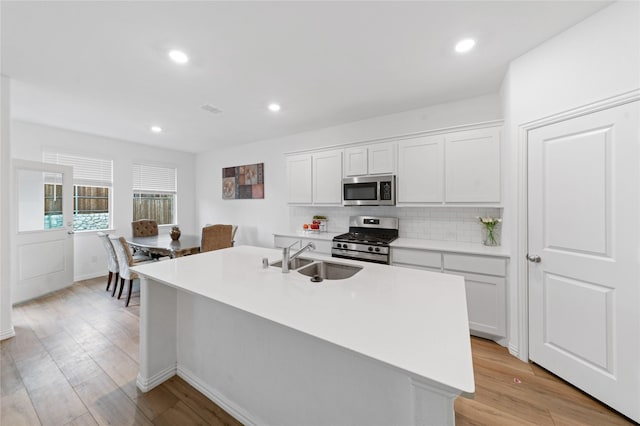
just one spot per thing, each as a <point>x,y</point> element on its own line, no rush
<point>102,67</point>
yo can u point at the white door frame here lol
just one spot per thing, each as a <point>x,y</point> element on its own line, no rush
<point>521,262</point>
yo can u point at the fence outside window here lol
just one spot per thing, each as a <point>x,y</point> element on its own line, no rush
<point>158,207</point>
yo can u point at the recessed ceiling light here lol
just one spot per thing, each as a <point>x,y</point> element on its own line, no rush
<point>156,129</point>
<point>465,45</point>
<point>274,107</point>
<point>179,56</point>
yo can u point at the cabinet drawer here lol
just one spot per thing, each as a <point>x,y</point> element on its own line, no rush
<point>428,259</point>
<point>477,264</point>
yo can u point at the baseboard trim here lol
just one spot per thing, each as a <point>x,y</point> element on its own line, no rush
<point>513,350</point>
<point>155,380</point>
<point>89,276</point>
<point>5,334</point>
<point>214,395</point>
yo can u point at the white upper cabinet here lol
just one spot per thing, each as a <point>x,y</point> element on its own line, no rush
<point>381,159</point>
<point>377,159</point>
<point>315,178</point>
<point>299,179</point>
<point>472,166</point>
<point>355,161</point>
<point>419,177</point>
<point>327,177</point>
<point>457,168</point>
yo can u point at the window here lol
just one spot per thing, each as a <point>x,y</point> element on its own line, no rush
<point>92,184</point>
<point>154,193</point>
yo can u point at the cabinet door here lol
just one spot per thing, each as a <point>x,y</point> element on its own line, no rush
<point>355,161</point>
<point>472,166</point>
<point>486,303</point>
<point>327,177</point>
<point>299,179</point>
<point>419,177</point>
<point>381,159</point>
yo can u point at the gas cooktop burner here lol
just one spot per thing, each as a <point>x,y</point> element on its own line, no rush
<point>365,238</point>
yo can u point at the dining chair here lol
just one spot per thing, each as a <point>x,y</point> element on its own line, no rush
<point>125,261</point>
<point>112,260</point>
<point>144,228</point>
<point>216,237</point>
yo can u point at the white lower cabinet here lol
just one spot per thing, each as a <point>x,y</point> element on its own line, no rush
<point>486,303</point>
<point>322,246</point>
<point>485,281</point>
<point>485,284</point>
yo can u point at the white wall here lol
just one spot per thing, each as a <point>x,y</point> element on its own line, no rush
<point>28,141</point>
<point>6,323</point>
<point>258,219</point>
<point>594,60</point>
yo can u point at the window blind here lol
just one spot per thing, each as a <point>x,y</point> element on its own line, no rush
<point>148,178</point>
<point>86,171</point>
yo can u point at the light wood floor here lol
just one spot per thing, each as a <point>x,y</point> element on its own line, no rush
<point>74,361</point>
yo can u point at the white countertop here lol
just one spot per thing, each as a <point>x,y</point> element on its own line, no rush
<point>450,246</point>
<point>413,243</point>
<point>313,235</point>
<point>410,319</point>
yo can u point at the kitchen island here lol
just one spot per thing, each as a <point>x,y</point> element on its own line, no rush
<point>387,346</point>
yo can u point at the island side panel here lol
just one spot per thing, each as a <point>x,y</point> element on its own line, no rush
<point>433,404</point>
<point>158,352</point>
<point>265,373</point>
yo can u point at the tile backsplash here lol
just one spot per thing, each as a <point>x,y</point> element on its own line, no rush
<point>429,223</point>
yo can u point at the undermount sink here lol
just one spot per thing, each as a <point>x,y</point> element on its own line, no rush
<point>330,271</point>
<point>294,263</point>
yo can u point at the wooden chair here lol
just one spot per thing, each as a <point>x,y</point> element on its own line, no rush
<point>125,261</point>
<point>216,237</point>
<point>112,260</point>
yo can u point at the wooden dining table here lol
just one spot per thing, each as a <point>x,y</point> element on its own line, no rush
<point>163,245</point>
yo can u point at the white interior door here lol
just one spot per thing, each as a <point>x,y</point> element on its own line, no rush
<point>584,225</point>
<point>42,222</point>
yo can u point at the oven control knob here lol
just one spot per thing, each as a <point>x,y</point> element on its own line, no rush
<point>370,248</point>
<point>339,245</point>
<point>377,248</point>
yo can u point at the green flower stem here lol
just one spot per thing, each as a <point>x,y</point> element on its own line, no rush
<point>491,238</point>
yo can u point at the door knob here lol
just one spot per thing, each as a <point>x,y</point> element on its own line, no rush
<point>534,258</point>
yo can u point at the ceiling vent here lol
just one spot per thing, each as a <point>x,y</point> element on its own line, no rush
<point>212,109</point>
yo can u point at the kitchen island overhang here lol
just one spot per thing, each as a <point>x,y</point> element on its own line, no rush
<point>389,345</point>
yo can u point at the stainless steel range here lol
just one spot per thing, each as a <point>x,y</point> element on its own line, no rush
<point>368,239</point>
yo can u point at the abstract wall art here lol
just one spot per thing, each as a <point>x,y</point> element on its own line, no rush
<point>243,182</point>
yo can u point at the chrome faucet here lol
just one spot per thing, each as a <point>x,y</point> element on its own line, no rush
<point>287,257</point>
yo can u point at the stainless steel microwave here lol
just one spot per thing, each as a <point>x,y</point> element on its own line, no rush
<point>369,191</point>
